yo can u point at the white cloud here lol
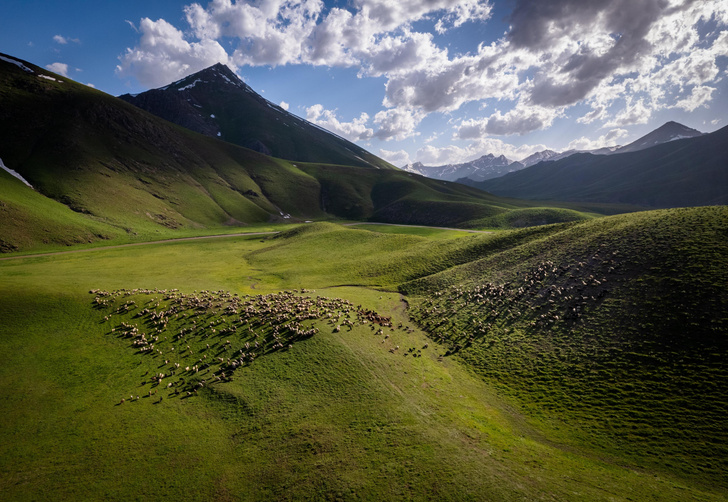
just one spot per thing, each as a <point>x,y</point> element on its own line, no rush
<point>519,120</point>
<point>59,39</point>
<point>60,68</point>
<point>397,123</point>
<point>356,130</point>
<point>611,138</point>
<point>624,59</point>
<point>699,96</point>
<point>284,105</point>
<point>399,158</point>
<point>636,113</point>
<point>597,112</point>
<point>163,55</point>
<point>89,84</point>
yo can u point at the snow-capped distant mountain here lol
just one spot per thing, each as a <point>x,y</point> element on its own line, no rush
<point>486,167</point>
<point>489,166</point>
<point>541,156</point>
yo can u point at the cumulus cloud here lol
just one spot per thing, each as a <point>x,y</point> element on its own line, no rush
<point>636,113</point>
<point>398,158</point>
<point>604,52</point>
<point>163,55</point>
<point>397,123</point>
<point>60,68</point>
<point>699,96</point>
<point>519,120</point>
<point>356,130</point>
<point>611,138</point>
<point>623,59</point>
<point>284,105</point>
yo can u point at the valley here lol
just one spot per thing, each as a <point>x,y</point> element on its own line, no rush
<point>206,297</point>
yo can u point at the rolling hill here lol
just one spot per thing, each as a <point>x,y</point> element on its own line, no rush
<point>128,174</point>
<point>581,361</point>
<point>615,327</point>
<point>683,172</point>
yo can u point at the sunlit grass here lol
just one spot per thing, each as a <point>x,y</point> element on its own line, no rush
<point>338,415</point>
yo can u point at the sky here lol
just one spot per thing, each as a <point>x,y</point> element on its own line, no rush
<point>433,81</point>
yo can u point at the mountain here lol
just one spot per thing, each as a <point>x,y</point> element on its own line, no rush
<point>102,168</point>
<point>680,172</point>
<point>669,131</point>
<point>486,167</point>
<point>541,156</point>
<point>217,103</point>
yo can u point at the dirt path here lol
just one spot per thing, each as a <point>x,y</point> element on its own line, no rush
<point>118,246</point>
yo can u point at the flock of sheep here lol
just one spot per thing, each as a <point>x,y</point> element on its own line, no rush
<point>548,295</point>
<point>202,338</point>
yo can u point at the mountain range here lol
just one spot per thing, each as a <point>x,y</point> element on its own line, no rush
<point>486,167</point>
<point>688,171</point>
<point>489,166</point>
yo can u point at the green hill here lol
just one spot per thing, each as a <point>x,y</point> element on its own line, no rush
<point>133,174</point>
<point>578,361</point>
<point>613,328</point>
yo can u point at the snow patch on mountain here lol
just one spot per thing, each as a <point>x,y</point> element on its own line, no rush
<point>190,86</point>
<point>16,63</point>
<point>14,173</point>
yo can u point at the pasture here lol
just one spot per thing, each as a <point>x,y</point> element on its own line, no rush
<point>363,412</point>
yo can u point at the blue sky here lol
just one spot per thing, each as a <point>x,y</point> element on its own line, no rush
<point>440,81</point>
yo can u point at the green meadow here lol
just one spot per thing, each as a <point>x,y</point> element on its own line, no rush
<point>379,410</point>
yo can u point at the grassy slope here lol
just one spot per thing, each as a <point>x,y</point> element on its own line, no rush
<point>29,219</point>
<point>338,416</point>
<point>615,329</point>
<point>137,174</point>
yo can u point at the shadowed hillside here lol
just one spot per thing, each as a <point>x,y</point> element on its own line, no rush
<point>215,102</point>
<point>131,173</point>
<point>683,172</point>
